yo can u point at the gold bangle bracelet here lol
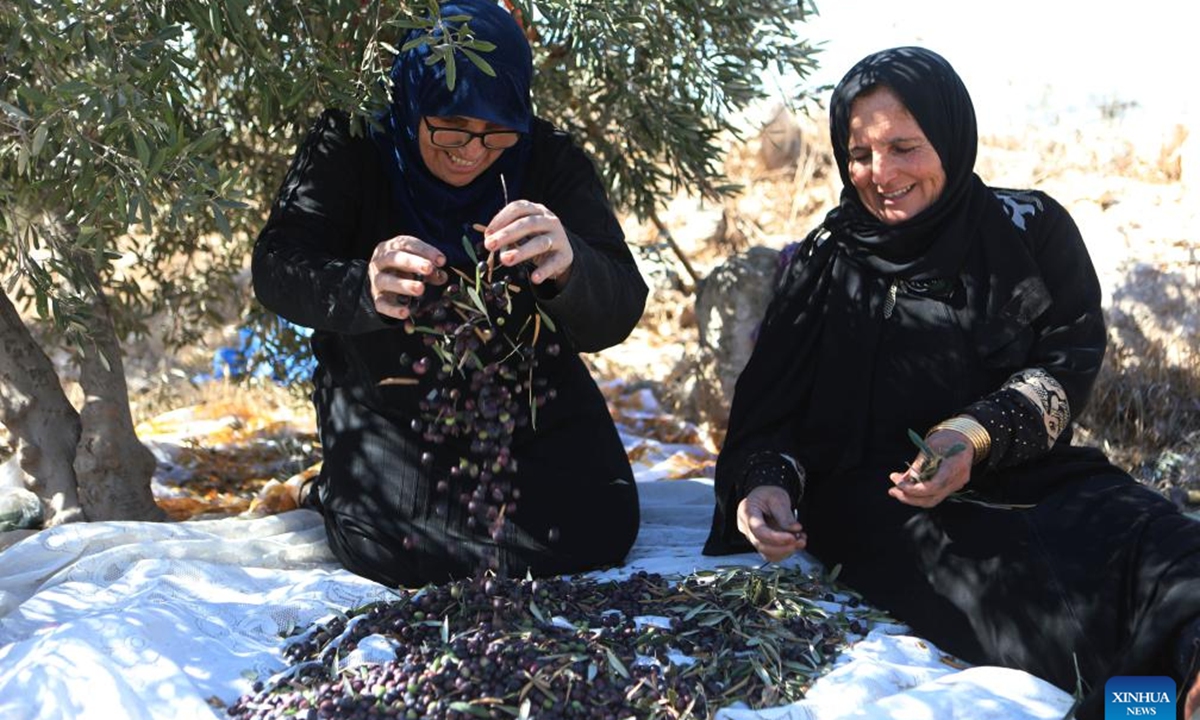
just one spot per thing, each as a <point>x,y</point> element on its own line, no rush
<point>976,433</point>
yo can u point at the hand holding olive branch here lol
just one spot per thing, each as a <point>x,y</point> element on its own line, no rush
<point>932,459</point>
<point>480,384</point>
<point>942,467</point>
<point>525,231</point>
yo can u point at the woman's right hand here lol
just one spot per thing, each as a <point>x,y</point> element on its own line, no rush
<point>765,517</point>
<point>398,271</point>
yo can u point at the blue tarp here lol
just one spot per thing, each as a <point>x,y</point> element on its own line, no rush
<point>251,357</point>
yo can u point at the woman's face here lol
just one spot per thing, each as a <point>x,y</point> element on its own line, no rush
<point>458,166</point>
<point>892,165</point>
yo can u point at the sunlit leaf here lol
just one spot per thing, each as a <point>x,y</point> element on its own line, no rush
<point>451,70</point>
<point>483,65</point>
<point>39,139</point>
<point>416,42</point>
<point>222,221</point>
<point>615,663</point>
<point>466,243</point>
<point>143,150</point>
<point>546,319</point>
<point>14,111</point>
<point>470,709</point>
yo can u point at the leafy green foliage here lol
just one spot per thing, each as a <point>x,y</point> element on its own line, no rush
<point>150,136</point>
<point>652,88</point>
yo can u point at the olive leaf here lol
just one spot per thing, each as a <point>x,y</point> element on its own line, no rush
<point>484,66</point>
<point>932,460</point>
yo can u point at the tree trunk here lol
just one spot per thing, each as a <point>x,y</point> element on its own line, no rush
<point>39,416</point>
<point>113,469</point>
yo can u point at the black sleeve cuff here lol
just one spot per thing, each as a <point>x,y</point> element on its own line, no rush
<point>775,469</point>
<point>1016,427</point>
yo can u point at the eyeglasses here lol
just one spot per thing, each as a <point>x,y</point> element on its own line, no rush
<point>455,138</point>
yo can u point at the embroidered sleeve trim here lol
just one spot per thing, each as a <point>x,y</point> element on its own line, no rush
<point>1047,396</point>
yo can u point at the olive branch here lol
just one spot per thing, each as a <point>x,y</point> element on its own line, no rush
<point>932,459</point>
<point>444,36</point>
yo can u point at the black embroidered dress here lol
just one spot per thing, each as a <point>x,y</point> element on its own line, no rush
<point>986,304</point>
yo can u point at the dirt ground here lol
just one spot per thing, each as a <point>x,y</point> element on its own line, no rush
<point>1133,203</point>
<point>1138,214</point>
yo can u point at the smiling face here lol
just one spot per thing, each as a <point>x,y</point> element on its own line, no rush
<point>893,166</point>
<point>457,166</point>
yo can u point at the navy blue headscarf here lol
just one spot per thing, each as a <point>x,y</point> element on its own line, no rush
<point>432,210</point>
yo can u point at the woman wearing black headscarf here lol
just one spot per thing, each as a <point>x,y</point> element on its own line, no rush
<point>453,261</point>
<point>929,301</point>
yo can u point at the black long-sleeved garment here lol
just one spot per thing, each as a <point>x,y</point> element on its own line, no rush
<point>385,517</point>
<point>983,302</point>
<point>1074,571</point>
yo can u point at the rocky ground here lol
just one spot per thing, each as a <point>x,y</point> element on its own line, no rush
<point>1132,202</point>
<point>1128,195</point>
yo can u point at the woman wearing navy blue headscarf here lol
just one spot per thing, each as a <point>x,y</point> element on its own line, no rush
<point>453,261</point>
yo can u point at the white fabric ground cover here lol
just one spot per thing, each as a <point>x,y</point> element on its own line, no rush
<point>174,621</point>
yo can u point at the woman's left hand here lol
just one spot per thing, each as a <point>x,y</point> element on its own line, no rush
<point>952,475</point>
<point>525,230</point>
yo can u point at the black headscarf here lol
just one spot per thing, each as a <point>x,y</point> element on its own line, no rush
<point>432,210</point>
<point>804,392</point>
<point>930,244</point>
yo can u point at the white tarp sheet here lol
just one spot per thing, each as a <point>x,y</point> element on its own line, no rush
<point>172,621</point>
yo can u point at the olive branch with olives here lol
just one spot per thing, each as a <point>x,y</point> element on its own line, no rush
<point>483,348</point>
<point>648,646</point>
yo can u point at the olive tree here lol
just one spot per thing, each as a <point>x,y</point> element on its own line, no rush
<point>141,142</point>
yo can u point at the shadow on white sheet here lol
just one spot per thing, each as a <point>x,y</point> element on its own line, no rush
<point>157,621</point>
